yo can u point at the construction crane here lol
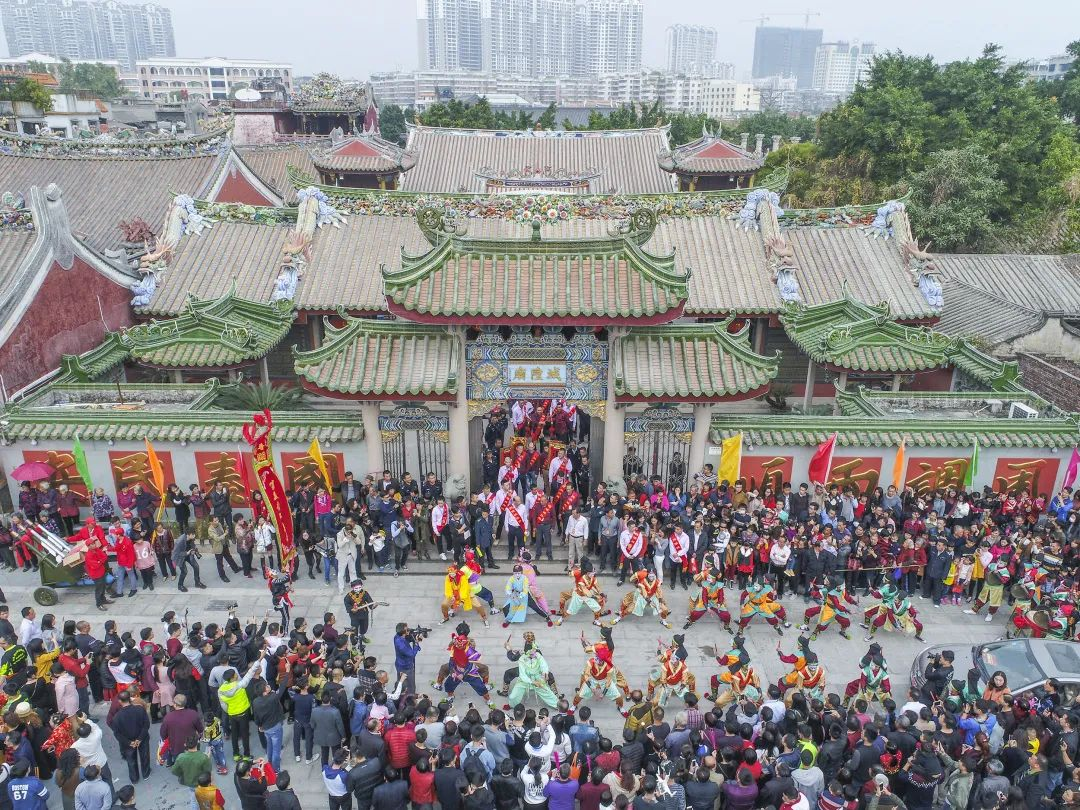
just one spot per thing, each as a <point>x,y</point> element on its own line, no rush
<point>764,18</point>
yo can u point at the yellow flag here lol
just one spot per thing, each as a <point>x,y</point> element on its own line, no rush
<point>157,475</point>
<point>315,451</point>
<point>730,459</point>
<point>899,468</point>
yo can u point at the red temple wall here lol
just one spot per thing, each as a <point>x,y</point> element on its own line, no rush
<point>63,318</point>
<point>238,189</point>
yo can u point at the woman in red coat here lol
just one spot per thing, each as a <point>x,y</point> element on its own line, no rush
<point>125,561</point>
<point>96,564</point>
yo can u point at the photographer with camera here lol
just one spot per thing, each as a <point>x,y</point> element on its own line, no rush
<point>939,673</point>
<point>406,647</point>
<point>185,554</point>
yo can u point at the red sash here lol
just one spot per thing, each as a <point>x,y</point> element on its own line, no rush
<point>561,469</point>
<point>539,431</point>
<point>635,543</point>
<point>512,473</point>
<point>517,515</point>
<point>440,524</point>
<point>570,499</point>
<point>677,545</point>
<point>533,460</point>
<point>559,493</point>
<point>545,513</point>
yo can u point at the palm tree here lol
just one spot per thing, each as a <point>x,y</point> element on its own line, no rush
<point>257,396</point>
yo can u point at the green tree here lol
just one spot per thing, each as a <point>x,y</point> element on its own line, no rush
<point>392,124</point>
<point>547,117</point>
<point>96,78</point>
<point>1067,89</point>
<point>30,91</point>
<point>251,397</point>
<point>771,123</point>
<point>952,197</point>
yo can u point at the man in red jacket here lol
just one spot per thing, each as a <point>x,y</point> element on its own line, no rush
<point>96,564</point>
<point>399,738</point>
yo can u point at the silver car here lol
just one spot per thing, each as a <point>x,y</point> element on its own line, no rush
<point>1026,662</point>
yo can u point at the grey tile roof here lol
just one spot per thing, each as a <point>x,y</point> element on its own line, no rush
<point>14,246</point>
<point>971,311</point>
<point>100,192</point>
<point>1041,283</point>
<point>271,162</point>
<point>447,160</point>
<point>206,265</point>
<point>872,268</point>
<point>729,272</point>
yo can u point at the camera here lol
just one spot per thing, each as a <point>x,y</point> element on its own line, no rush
<point>418,633</point>
<point>232,606</point>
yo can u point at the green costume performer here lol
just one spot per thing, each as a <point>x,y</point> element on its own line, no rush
<point>532,679</point>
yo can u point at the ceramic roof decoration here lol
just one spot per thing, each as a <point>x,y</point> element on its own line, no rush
<point>851,336</point>
<point>369,359</point>
<point>222,333</point>
<point>689,362</point>
<point>325,92</point>
<point>589,281</point>
<point>710,154</point>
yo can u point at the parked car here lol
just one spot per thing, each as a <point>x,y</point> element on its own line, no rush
<point>1026,662</point>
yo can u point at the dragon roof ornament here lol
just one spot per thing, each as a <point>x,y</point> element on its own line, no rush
<point>748,214</point>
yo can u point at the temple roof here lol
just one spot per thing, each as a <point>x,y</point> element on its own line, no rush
<point>271,163</point>
<point>689,361</point>
<point>220,333</point>
<point>599,281</point>
<point>325,92</point>
<point>710,154</point>
<point>730,271</point>
<point>364,153</point>
<point>161,413</point>
<point>461,160</point>
<point>1043,283</point>
<point>852,336</point>
<point>100,192</point>
<point>368,359</point>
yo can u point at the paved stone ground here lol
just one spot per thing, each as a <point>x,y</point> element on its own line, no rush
<point>414,597</point>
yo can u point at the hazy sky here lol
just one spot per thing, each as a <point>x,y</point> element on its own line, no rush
<point>356,37</point>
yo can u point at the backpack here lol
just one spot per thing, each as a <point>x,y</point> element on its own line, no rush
<point>471,763</point>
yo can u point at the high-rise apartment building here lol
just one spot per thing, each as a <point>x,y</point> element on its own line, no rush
<point>530,37</point>
<point>839,66</point>
<point>88,29</point>
<point>691,50</point>
<point>449,34</point>
<point>786,52</point>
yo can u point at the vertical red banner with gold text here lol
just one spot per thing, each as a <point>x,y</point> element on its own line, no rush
<point>257,435</point>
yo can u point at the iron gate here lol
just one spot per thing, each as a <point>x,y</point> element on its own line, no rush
<point>415,440</point>
<point>658,434</point>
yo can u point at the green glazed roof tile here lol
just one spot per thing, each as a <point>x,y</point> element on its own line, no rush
<point>383,359</point>
<point>689,360</point>
<point>606,277</point>
<point>219,333</point>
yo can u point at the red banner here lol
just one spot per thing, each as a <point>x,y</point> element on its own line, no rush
<point>257,434</point>
<point>1036,475</point>
<point>860,472</point>
<point>758,472</point>
<point>927,473</point>
<point>299,468</point>
<point>219,466</point>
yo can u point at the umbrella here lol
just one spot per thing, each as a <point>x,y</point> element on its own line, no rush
<point>32,471</point>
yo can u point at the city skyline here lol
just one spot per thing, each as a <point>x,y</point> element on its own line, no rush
<point>358,38</point>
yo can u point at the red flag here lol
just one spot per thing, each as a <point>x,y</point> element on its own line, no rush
<point>821,463</point>
<point>245,482</point>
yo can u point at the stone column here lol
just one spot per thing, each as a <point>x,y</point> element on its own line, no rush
<point>264,370</point>
<point>760,325</point>
<point>177,376</point>
<point>808,395</point>
<point>614,427</point>
<point>315,324</point>
<point>699,439</point>
<point>895,383</point>
<point>369,413</point>
<point>459,423</point>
